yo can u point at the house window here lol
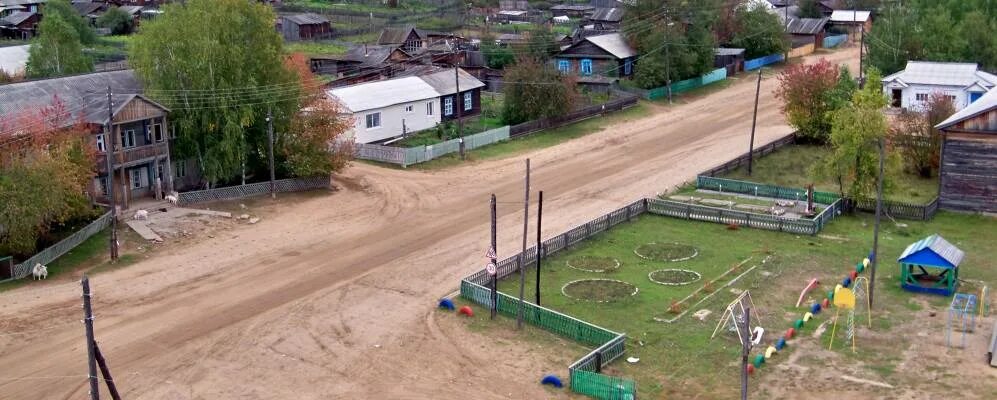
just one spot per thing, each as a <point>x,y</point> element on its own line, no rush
<point>448,106</point>
<point>101,147</point>
<point>373,120</point>
<point>628,66</point>
<point>429,108</point>
<point>128,138</point>
<point>951,98</point>
<point>586,67</point>
<point>101,184</point>
<point>157,133</point>
<point>921,97</point>
<point>408,108</point>
<point>138,177</point>
<point>563,65</point>
<point>468,103</point>
<point>180,168</point>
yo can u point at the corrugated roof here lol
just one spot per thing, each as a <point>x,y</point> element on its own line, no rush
<point>443,81</point>
<point>306,19</point>
<point>607,14</point>
<point>394,35</point>
<point>380,94</point>
<point>614,44</point>
<point>943,74</point>
<point>85,94</point>
<point>373,95</point>
<point>806,26</point>
<point>369,55</point>
<point>727,51</point>
<point>85,8</point>
<point>938,245</point>
<point>842,16</point>
<point>16,18</point>
<point>13,59</point>
<point>983,104</point>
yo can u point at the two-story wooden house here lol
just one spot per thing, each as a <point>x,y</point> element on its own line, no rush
<point>968,170</point>
<point>139,131</point>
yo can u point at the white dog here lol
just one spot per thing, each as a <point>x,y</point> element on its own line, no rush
<point>39,272</point>
<point>142,214</point>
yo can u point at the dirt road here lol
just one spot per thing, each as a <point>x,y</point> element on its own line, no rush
<point>334,297</point>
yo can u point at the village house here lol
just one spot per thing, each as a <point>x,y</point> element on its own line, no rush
<point>571,10</point>
<point>851,22</point>
<point>305,26</point>
<point>8,7</point>
<point>804,31</point>
<point>140,131</point>
<point>392,108</point>
<point>91,10</point>
<point>604,55</point>
<point>968,170</point>
<point>21,25</point>
<point>964,83</point>
<point>360,64</point>
<point>606,18</point>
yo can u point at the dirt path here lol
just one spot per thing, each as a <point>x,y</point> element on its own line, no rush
<point>333,297</point>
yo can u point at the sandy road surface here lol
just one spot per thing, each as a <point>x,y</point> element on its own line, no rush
<point>333,298</point>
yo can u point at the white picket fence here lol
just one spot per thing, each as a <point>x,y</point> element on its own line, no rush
<point>406,156</point>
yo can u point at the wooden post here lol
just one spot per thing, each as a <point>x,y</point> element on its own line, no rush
<point>494,259</point>
<point>745,349</point>
<point>522,254</point>
<point>106,373</point>
<point>540,207</point>
<point>88,324</point>
<point>273,192</point>
<point>109,158</point>
<point>754,119</point>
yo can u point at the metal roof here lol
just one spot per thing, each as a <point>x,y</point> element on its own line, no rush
<point>13,59</point>
<point>727,51</point>
<point>937,245</point>
<point>843,16</point>
<point>395,35</point>
<point>443,81</point>
<point>614,44</point>
<point>380,94</point>
<point>16,18</point>
<point>514,13</point>
<point>983,104</point>
<point>131,10</point>
<point>369,55</point>
<point>85,8</point>
<point>306,19</point>
<point>806,26</point>
<point>607,14</point>
<point>85,94</point>
<point>943,74</point>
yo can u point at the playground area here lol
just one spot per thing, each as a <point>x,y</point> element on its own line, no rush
<point>665,283</point>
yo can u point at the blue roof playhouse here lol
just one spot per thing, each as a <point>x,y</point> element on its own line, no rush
<point>930,266</point>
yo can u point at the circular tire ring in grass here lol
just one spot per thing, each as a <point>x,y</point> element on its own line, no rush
<point>666,252</point>
<point>593,264</point>
<point>674,277</point>
<point>598,290</point>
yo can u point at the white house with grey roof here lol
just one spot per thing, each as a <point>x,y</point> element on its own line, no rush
<point>388,109</point>
<point>964,83</point>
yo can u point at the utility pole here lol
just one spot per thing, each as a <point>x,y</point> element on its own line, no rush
<point>106,373</point>
<point>540,213</point>
<point>754,118</point>
<point>668,72</point>
<point>522,255</point>
<point>91,345</point>
<point>273,193</point>
<point>109,152</point>
<point>861,56</point>
<point>494,257</point>
<point>875,235</point>
<point>459,103</point>
<point>745,349</point>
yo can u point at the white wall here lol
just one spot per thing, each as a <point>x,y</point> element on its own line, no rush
<point>391,121</point>
<point>909,94</point>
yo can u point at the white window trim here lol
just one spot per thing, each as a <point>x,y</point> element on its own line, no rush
<point>429,108</point>
<point>130,135</point>
<point>468,101</point>
<point>101,144</point>
<point>367,120</point>
<point>162,135</point>
<point>409,109</point>
<point>448,106</point>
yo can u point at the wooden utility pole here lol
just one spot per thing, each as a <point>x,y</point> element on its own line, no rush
<point>745,349</point>
<point>109,152</point>
<point>106,373</point>
<point>540,213</point>
<point>861,56</point>
<point>273,192</point>
<point>668,72</point>
<point>91,350</point>
<point>754,118</point>
<point>522,255</point>
<point>459,103</point>
<point>494,257</point>
<point>875,234</point>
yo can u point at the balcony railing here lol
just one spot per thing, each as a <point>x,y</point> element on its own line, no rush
<point>133,155</point>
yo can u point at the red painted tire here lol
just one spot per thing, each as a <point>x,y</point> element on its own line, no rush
<point>466,311</point>
<point>789,333</point>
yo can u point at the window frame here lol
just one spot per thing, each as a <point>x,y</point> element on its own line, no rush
<point>100,143</point>
<point>468,101</point>
<point>586,67</point>
<point>564,66</point>
<point>628,66</point>
<point>157,133</point>
<point>408,108</point>
<point>180,168</point>
<point>429,108</point>
<point>141,174</point>
<point>128,134</point>
<point>448,106</point>
<point>373,120</point>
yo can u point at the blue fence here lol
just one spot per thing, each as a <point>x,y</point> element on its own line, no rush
<point>762,61</point>
<point>716,75</point>
<point>834,41</point>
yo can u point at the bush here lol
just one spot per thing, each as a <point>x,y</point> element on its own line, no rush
<point>117,20</point>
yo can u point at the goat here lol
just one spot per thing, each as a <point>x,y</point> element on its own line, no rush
<point>39,272</point>
<point>172,199</point>
<point>142,214</point>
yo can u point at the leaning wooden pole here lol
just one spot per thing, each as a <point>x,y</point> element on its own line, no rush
<point>88,324</point>
<point>106,373</point>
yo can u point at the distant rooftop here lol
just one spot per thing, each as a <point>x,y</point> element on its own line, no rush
<point>842,16</point>
<point>943,74</point>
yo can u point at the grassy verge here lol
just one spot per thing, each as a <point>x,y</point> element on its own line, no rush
<point>370,37</point>
<point>790,166</point>
<point>539,140</point>
<point>314,48</point>
<point>680,360</point>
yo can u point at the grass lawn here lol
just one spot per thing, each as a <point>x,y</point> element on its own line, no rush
<point>679,360</point>
<point>539,140</point>
<point>790,165</point>
<point>403,6</point>
<point>314,48</point>
<point>491,107</point>
<point>370,37</point>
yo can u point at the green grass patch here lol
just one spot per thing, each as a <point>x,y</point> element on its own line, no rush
<point>369,37</point>
<point>539,140</point>
<point>314,48</point>
<point>790,167</point>
<point>680,361</point>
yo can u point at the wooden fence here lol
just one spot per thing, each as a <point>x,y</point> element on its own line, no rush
<point>802,51</point>
<point>254,189</point>
<point>406,156</point>
<point>834,41</point>
<point>529,127</point>
<point>742,218</point>
<point>57,250</point>
<point>762,61</point>
<point>743,159</point>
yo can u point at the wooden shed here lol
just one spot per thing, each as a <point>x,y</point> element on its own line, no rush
<point>304,27</point>
<point>968,170</point>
